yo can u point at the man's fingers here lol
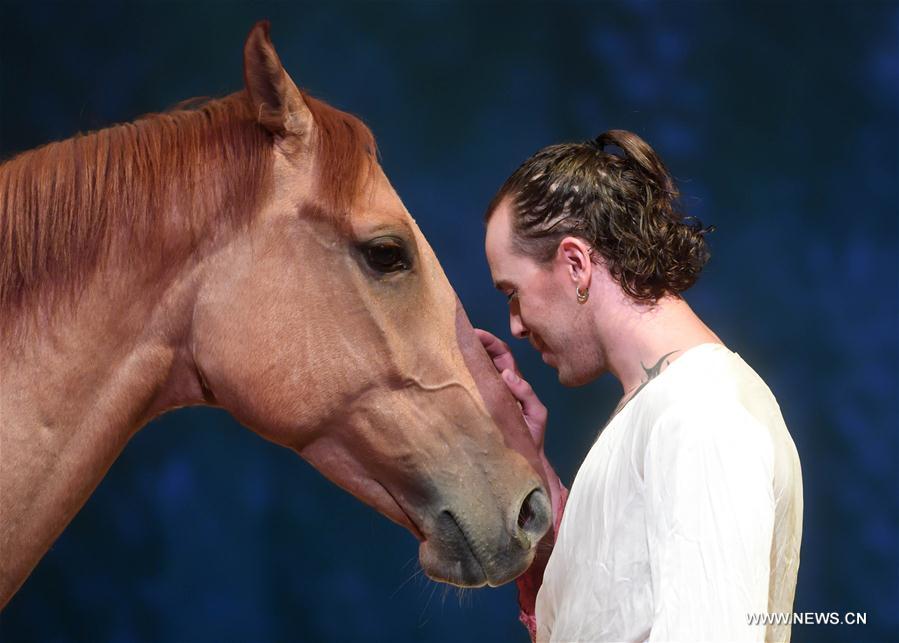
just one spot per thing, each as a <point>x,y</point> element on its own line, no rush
<point>498,350</point>
<point>534,411</point>
<point>535,414</point>
<point>492,344</point>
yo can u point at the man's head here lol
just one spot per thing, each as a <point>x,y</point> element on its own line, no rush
<point>575,219</point>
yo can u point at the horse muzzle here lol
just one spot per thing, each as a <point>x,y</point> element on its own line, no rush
<point>468,550</point>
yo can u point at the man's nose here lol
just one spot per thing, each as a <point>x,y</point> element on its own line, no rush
<point>516,325</point>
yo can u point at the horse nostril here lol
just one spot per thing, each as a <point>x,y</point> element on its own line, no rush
<point>524,515</point>
<point>534,516</point>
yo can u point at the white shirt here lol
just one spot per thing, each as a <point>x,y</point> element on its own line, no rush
<point>685,516</point>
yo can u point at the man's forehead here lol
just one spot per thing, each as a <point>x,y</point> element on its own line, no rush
<point>502,259</point>
<point>497,236</point>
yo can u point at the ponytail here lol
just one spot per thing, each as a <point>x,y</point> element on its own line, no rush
<point>641,155</point>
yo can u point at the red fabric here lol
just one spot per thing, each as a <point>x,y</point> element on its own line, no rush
<point>529,582</point>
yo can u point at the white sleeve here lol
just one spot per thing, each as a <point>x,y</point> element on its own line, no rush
<point>708,474</point>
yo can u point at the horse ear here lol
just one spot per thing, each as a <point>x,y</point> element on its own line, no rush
<point>278,103</point>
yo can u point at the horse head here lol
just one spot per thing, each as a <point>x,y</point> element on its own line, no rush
<point>329,327</point>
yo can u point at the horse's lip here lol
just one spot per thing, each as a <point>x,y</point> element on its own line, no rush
<point>410,524</point>
<point>449,557</point>
<point>468,544</point>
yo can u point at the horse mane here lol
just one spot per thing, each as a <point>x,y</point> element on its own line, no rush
<point>159,185</point>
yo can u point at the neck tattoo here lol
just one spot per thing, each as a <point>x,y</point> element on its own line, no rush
<point>651,373</point>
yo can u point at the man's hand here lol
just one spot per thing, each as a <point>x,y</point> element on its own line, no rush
<point>535,414</point>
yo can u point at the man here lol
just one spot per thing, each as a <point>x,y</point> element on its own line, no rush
<point>685,518</point>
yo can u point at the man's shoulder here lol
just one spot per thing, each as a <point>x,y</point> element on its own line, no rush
<point>714,379</point>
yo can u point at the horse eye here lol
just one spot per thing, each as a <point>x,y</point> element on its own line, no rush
<point>386,256</point>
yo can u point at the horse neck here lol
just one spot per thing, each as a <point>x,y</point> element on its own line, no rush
<point>74,391</point>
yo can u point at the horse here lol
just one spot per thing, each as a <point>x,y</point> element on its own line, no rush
<point>249,253</point>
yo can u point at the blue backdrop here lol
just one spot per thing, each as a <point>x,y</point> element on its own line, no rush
<point>780,123</point>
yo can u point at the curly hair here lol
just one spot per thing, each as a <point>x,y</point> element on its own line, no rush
<point>624,206</point>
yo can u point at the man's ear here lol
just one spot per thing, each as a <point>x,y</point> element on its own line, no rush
<point>278,104</point>
<point>575,255</point>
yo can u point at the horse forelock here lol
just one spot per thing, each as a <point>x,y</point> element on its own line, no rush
<point>346,153</point>
<point>163,181</point>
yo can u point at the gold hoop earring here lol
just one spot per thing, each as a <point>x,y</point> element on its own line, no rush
<point>582,296</point>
